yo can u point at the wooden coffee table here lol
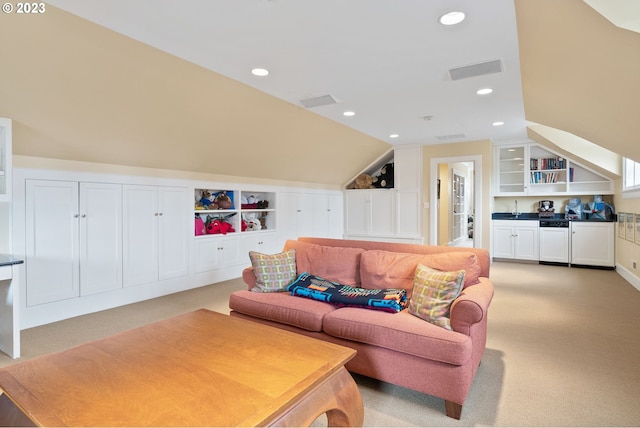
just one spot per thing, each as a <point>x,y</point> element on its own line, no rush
<point>199,369</point>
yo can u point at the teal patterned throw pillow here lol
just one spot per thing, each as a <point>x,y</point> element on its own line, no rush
<point>274,272</point>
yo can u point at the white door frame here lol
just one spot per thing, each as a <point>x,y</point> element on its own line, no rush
<point>477,196</point>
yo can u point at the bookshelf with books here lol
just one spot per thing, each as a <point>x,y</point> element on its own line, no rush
<point>546,173</point>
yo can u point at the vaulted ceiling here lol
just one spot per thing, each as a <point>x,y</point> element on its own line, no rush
<point>79,91</point>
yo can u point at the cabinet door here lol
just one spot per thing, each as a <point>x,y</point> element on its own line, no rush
<point>175,224</point>
<point>554,244</point>
<point>261,242</point>
<point>207,254</point>
<point>100,237</point>
<point>526,243</point>
<point>295,215</point>
<point>327,215</point>
<point>336,216</point>
<point>51,222</point>
<point>140,232</point>
<point>408,213</point>
<point>358,212</point>
<point>503,241</point>
<point>592,244</point>
<point>382,212</point>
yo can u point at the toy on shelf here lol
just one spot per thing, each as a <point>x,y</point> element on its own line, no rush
<point>385,179</point>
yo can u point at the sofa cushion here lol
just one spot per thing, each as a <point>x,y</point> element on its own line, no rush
<point>282,308</point>
<point>433,293</point>
<point>339,264</point>
<point>339,295</point>
<point>274,272</point>
<point>400,332</point>
<point>385,269</point>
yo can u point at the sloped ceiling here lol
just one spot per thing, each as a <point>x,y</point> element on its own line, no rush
<point>78,91</point>
<point>580,73</point>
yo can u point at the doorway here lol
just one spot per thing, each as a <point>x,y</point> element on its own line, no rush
<point>456,202</point>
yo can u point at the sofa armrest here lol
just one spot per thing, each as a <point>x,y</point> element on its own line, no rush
<point>249,277</point>
<point>471,306</point>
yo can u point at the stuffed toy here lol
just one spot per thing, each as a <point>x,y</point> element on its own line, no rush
<point>200,227</point>
<point>223,201</point>
<point>364,181</point>
<point>252,222</point>
<point>205,202</point>
<point>385,179</point>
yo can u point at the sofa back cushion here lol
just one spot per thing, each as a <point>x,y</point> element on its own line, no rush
<point>339,264</point>
<point>482,254</point>
<point>385,269</point>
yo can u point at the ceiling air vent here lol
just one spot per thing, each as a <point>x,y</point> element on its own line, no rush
<point>318,101</point>
<point>474,70</point>
<point>451,137</point>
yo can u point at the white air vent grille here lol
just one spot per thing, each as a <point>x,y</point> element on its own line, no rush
<point>318,101</point>
<point>474,70</point>
<point>451,137</point>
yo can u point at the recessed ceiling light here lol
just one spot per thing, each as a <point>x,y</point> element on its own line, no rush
<point>261,72</point>
<point>484,91</point>
<point>394,136</point>
<point>498,123</point>
<point>349,113</point>
<point>452,18</point>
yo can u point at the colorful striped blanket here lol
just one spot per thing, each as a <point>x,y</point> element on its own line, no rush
<point>316,288</point>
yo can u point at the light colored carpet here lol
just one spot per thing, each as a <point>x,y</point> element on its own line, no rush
<point>563,350</point>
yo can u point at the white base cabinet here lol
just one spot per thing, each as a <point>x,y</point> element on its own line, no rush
<point>73,239</point>
<point>516,239</point>
<point>593,244</point>
<point>156,234</point>
<point>554,244</point>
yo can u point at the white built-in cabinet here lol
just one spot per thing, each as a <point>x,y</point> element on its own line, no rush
<point>593,243</point>
<point>389,214</point>
<point>516,239</point>
<point>73,239</point>
<point>327,215</point>
<point>370,212</point>
<point>295,215</point>
<point>156,235</point>
<point>318,214</point>
<point>531,169</point>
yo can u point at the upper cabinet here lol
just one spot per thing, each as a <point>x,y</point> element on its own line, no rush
<point>5,159</point>
<point>532,169</point>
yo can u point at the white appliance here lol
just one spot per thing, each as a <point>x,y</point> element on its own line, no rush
<point>554,241</point>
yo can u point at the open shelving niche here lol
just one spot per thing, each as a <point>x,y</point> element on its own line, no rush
<point>245,207</point>
<point>374,169</point>
<point>536,170</point>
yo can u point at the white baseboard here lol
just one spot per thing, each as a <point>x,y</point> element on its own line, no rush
<point>629,276</point>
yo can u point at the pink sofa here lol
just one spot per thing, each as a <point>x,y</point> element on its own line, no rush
<point>398,348</point>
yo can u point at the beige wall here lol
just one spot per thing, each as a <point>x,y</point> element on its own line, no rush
<point>483,202</point>
<point>443,209</point>
<point>580,73</point>
<point>626,250</point>
<point>77,91</point>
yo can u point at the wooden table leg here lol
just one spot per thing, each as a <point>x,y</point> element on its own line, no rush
<point>338,396</point>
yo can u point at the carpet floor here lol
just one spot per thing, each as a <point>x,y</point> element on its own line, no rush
<point>563,349</point>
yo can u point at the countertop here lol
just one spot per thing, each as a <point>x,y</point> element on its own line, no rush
<point>534,216</point>
<point>8,260</point>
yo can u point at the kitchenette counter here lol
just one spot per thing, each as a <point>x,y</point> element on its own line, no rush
<point>534,216</point>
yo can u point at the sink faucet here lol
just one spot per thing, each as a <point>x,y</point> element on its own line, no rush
<point>516,212</point>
